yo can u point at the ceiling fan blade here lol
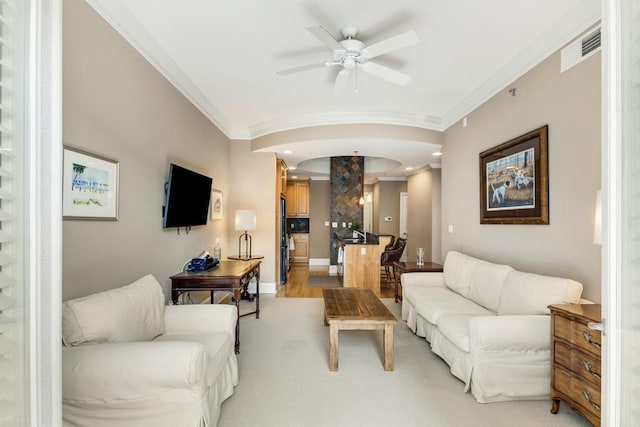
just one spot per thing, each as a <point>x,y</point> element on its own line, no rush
<point>400,41</point>
<point>341,82</point>
<point>301,68</point>
<point>326,38</point>
<point>385,73</point>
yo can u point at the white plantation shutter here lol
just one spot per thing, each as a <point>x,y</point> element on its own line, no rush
<point>629,396</point>
<point>13,325</point>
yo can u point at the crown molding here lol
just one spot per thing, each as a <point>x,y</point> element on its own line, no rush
<point>127,25</point>
<point>562,32</point>
<point>347,117</point>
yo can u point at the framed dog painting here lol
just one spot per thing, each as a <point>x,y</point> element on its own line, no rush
<point>514,181</point>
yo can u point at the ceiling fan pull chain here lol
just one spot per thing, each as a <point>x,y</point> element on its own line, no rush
<point>356,89</point>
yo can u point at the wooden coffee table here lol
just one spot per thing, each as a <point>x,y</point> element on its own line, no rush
<point>356,309</point>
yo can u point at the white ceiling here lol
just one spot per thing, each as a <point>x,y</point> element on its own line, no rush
<point>224,54</point>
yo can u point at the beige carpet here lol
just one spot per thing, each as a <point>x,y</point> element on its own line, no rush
<point>285,379</point>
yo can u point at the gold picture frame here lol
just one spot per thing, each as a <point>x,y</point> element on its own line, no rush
<point>514,180</point>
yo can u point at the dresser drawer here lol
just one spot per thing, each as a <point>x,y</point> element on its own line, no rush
<point>562,355</point>
<point>578,334</point>
<point>586,367</point>
<point>578,362</point>
<point>579,391</point>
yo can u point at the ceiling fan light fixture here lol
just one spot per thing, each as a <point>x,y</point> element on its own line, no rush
<point>351,52</point>
<point>349,63</point>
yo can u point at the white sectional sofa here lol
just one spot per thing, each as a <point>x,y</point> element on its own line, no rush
<point>129,361</point>
<point>489,322</point>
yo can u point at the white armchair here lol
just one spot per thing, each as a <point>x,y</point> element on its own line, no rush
<point>129,360</point>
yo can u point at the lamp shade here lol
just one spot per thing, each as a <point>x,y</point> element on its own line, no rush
<point>597,222</point>
<point>245,220</point>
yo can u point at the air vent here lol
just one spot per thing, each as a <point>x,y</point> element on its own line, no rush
<point>580,49</point>
<point>591,43</point>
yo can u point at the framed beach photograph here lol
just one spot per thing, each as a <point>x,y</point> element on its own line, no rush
<point>514,181</point>
<point>89,186</point>
<point>216,204</point>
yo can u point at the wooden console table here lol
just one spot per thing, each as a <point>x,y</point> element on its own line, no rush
<point>400,267</point>
<point>228,276</point>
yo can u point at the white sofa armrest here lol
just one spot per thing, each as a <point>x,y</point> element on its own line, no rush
<point>515,333</point>
<point>425,279</point>
<point>200,318</point>
<point>121,371</point>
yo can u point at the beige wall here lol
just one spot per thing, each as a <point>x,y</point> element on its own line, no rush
<point>423,217</point>
<point>319,212</point>
<point>436,216</point>
<point>386,200</point>
<point>118,106</point>
<point>570,104</point>
<point>253,186</point>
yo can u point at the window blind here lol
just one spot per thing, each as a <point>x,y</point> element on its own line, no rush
<point>13,327</point>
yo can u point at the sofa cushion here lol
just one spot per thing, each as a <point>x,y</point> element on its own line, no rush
<point>457,271</point>
<point>452,303</point>
<point>455,327</point>
<point>528,293</point>
<point>486,284</point>
<point>131,313</point>
<point>218,347</point>
<point>415,294</point>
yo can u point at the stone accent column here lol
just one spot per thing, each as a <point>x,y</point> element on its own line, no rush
<point>347,186</point>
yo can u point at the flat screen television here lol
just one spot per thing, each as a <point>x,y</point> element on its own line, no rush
<point>187,195</point>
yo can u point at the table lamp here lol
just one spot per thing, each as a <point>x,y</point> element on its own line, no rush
<point>245,221</point>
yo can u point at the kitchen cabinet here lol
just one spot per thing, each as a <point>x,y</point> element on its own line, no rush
<point>300,252</point>
<point>281,177</point>
<point>297,199</point>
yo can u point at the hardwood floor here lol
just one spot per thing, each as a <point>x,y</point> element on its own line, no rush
<point>297,286</point>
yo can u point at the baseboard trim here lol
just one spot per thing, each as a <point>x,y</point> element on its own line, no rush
<point>319,261</point>
<point>267,287</point>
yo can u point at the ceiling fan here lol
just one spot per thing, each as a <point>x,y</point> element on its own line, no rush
<point>353,54</point>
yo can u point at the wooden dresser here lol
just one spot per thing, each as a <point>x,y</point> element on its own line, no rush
<point>575,359</point>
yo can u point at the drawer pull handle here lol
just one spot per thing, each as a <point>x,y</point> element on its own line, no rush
<point>587,336</point>
<point>587,365</point>
<point>587,396</point>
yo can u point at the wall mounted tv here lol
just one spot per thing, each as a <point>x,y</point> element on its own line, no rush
<point>187,195</point>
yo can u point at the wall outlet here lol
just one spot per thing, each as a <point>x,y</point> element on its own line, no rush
<point>326,223</point>
<point>363,251</point>
<point>450,229</point>
<point>334,224</point>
